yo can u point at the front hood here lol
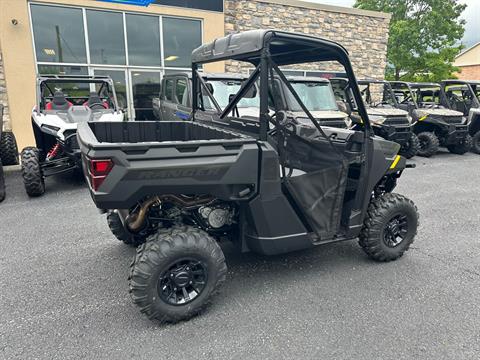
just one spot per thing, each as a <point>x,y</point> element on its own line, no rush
<point>439,112</point>
<point>386,112</point>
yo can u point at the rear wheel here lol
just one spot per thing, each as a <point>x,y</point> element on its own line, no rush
<point>176,272</point>
<point>8,148</point>
<point>428,144</point>
<point>410,149</point>
<point>118,229</point>
<point>389,228</point>
<point>32,172</point>
<point>462,147</point>
<point>476,143</point>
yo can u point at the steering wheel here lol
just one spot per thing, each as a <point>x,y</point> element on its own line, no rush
<point>96,105</point>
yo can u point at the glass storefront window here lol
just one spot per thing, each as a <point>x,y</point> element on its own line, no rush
<point>106,40</point>
<point>118,77</point>
<point>180,37</point>
<point>62,70</point>
<point>145,86</point>
<point>143,34</point>
<point>59,34</point>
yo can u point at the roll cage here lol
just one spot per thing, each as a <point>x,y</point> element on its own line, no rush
<point>267,50</point>
<point>415,92</point>
<point>387,91</point>
<point>45,90</point>
<point>469,89</point>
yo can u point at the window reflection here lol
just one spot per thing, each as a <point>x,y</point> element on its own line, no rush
<point>143,33</point>
<point>180,38</point>
<point>106,40</point>
<point>59,34</point>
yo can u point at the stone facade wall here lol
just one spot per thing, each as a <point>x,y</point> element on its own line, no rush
<point>365,36</point>
<point>3,96</point>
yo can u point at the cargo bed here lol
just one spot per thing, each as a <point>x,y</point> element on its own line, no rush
<point>196,158</point>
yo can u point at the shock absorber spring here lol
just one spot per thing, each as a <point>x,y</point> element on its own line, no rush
<point>53,151</point>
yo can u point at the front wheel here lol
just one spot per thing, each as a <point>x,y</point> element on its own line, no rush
<point>389,228</point>
<point>8,148</point>
<point>410,149</point>
<point>428,144</point>
<point>32,172</point>
<point>175,273</point>
<point>462,147</point>
<point>476,143</point>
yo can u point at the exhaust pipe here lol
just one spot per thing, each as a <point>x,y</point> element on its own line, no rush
<point>135,222</point>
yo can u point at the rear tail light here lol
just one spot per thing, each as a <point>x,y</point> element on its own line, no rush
<point>98,171</point>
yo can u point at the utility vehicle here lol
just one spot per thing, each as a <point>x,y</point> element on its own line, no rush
<point>268,185</point>
<point>464,96</point>
<point>62,103</point>
<point>387,120</point>
<point>176,101</point>
<point>8,144</point>
<point>434,124</point>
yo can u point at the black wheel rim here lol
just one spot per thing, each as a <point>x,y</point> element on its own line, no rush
<point>182,282</point>
<point>395,231</point>
<point>423,144</point>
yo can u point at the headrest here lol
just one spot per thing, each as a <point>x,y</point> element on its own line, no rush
<point>59,98</point>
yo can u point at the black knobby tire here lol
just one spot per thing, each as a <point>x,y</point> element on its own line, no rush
<point>476,143</point>
<point>116,226</point>
<point>8,148</point>
<point>410,149</point>
<point>153,265</point>
<point>32,172</point>
<point>383,216</point>
<point>2,183</point>
<point>461,148</point>
<point>428,144</point>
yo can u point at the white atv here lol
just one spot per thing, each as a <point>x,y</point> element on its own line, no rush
<point>63,101</point>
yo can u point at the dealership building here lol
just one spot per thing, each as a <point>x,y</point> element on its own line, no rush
<point>136,45</point>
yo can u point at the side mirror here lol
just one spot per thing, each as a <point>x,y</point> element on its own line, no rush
<point>251,93</point>
<point>342,106</point>
<point>210,87</point>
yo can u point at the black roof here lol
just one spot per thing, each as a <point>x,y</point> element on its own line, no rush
<point>248,45</point>
<point>210,75</point>
<point>458,81</point>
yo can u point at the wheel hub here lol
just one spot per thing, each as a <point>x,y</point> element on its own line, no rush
<point>182,282</point>
<point>395,231</point>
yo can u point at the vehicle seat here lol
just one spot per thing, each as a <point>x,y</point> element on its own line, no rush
<point>94,102</point>
<point>59,102</point>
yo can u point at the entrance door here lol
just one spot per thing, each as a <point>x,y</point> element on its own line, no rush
<point>145,85</point>
<point>119,79</point>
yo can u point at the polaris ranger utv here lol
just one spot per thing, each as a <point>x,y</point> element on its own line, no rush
<point>434,124</point>
<point>62,103</point>
<point>388,121</point>
<point>464,96</point>
<point>268,184</point>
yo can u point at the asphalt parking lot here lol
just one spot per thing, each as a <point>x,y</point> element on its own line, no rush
<point>64,291</point>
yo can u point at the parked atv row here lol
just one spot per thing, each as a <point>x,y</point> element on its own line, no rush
<point>270,182</point>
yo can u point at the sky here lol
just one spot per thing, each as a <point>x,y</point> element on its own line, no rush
<point>471,15</point>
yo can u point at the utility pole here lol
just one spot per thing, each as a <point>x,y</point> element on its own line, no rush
<point>59,44</point>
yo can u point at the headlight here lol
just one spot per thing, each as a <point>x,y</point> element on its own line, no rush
<point>377,119</point>
<point>49,129</point>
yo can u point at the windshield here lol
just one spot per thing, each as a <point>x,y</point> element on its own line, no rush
<point>222,89</point>
<point>377,94</point>
<point>76,92</point>
<point>316,96</point>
